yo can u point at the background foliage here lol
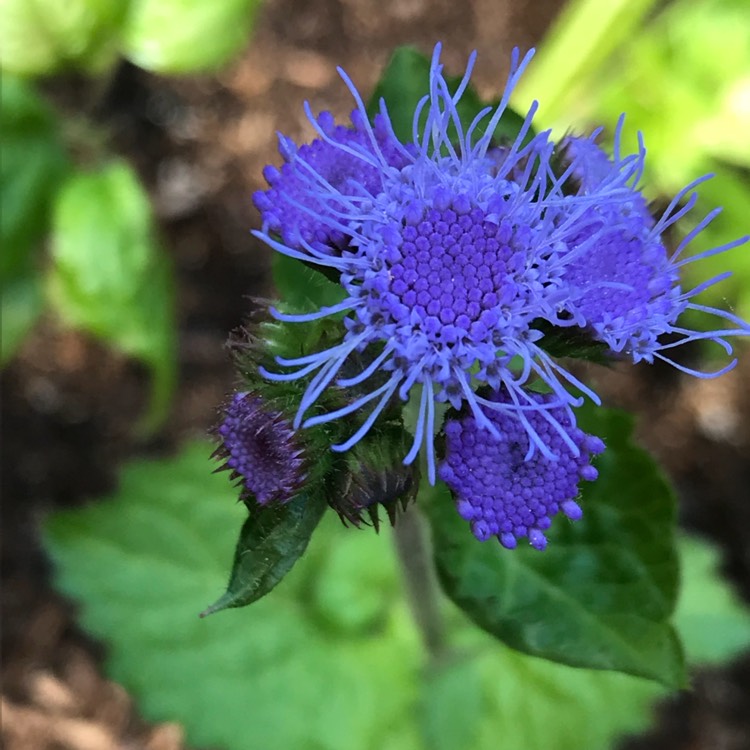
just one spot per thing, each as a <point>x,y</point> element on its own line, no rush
<point>62,187</point>
<point>331,659</point>
<point>681,72</point>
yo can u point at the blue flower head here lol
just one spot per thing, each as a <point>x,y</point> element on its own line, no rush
<point>454,252</point>
<point>294,211</point>
<point>504,494</point>
<point>621,281</point>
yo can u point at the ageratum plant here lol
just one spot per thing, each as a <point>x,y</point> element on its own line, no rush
<point>437,283</point>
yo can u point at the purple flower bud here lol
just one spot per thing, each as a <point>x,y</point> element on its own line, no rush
<point>262,450</point>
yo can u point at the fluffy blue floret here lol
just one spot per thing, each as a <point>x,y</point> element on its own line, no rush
<point>295,206</point>
<point>502,491</point>
<point>625,285</point>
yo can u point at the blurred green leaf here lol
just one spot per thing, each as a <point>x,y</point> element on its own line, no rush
<point>454,689</point>
<point>21,304</point>
<point>32,166</point>
<point>406,80</point>
<point>686,91</point>
<point>39,37</point>
<point>280,676</point>
<point>602,593</point>
<point>272,539</point>
<point>533,704</point>
<point>186,36</point>
<point>109,275</point>
<point>713,622</point>
<point>581,40</point>
<point>329,661</point>
<point>359,601</point>
<point>729,189</point>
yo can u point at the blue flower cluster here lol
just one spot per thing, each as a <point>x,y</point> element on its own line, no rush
<point>455,253</point>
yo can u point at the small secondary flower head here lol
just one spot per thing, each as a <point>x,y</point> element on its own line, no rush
<point>622,282</point>
<point>298,214</point>
<point>451,251</point>
<point>261,450</point>
<point>501,491</point>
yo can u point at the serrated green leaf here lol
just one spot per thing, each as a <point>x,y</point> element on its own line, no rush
<point>602,593</point>
<point>329,661</point>
<point>406,80</point>
<point>271,541</point>
<point>32,166</point>
<point>109,275</point>
<point>302,288</point>
<point>39,37</point>
<point>21,304</point>
<point>186,36</point>
<point>273,676</point>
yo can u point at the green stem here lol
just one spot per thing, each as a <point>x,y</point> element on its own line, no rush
<point>415,556</point>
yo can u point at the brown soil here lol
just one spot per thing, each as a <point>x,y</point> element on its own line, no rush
<point>70,404</point>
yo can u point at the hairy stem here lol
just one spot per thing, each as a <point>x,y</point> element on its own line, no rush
<point>414,553</point>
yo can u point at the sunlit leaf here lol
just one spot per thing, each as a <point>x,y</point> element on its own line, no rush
<point>583,37</point>
<point>186,36</point>
<point>38,37</point>
<point>109,275</point>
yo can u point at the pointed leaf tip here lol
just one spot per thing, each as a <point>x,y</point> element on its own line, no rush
<point>223,602</point>
<point>272,539</point>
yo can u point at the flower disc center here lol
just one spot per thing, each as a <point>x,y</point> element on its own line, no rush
<point>447,272</point>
